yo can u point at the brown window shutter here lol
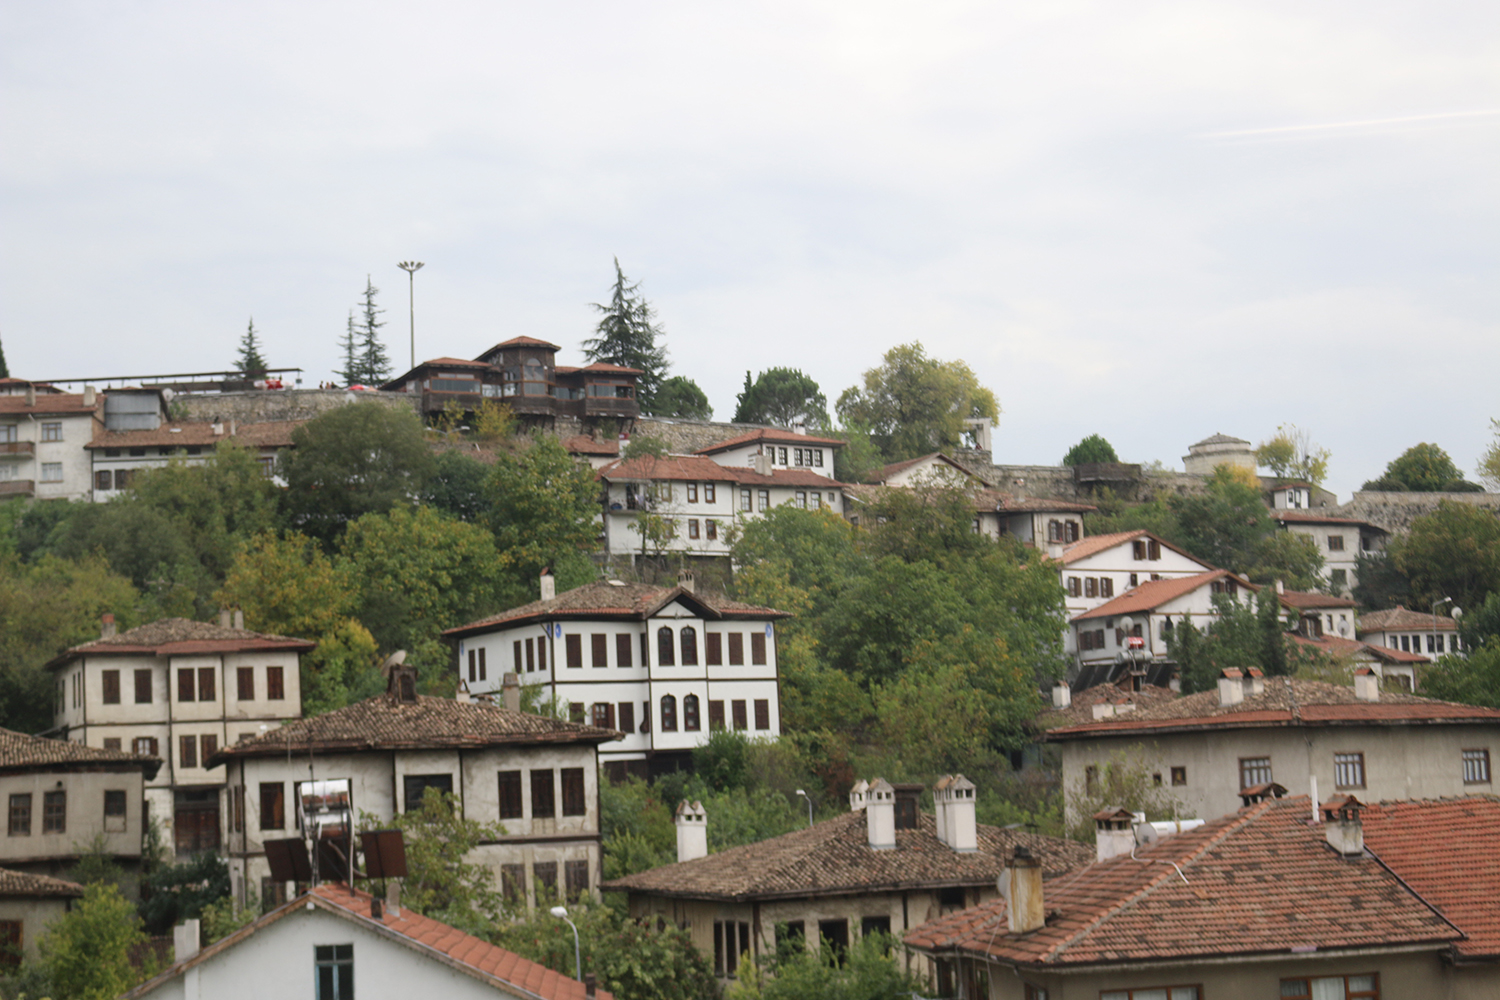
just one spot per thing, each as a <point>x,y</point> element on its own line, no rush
<point>736,649</point>
<point>757,648</point>
<point>622,650</point>
<point>574,646</point>
<point>599,651</point>
<point>713,649</point>
<point>762,713</point>
<point>715,715</point>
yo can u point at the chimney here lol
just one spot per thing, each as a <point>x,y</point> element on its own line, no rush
<point>880,815</point>
<point>1231,687</point>
<point>1103,710</point>
<point>1055,550</point>
<point>761,464</point>
<point>217,427</point>
<point>954,798</point>
<point>589,986</point>
<point>510,692</point>
<point>857,795</point>
<point>1021,885</point>
<point>1366,685</point>
<point>377,910</point>
<point>462,694</point>
<point>1280,588</point>
<point>1255,681</point>
<point>89,395</point>
<point>239,619</point>
<point>1114,832</point>
<point>549,584</point>
<point>1062,695</point>
<point>393,897</point>
<point>1342,827</point>
<point>799,428</point>
<point>1175,684</point>
<point>686,580</point>
<point>226,618</point>
<point>692,831</point>
<point>107,625</point>
<point>185,940</point>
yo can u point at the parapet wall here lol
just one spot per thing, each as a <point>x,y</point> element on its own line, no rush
<point>261,405</point>
<point>1396,511</point>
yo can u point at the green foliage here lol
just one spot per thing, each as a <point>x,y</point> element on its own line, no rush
<point>355,460</point>
<point>374,364</point>
<point>869,970</point>
<point>542,511</point>
<point>1489,462</point>
<point>1291,454</point>
<point>220,919</point>
<point>859,459</point>
<point>722,761</point>
<point>636,827</point>
<point>1154,515</point>
<point>1471,681</point>
<point>350,372</point>
<point>86,952</point>
<point>1452,552</point>
<point>1422,468</point>
<point>4,367</point>
<point>1379,584</point>
<point>1242,635</point>
<point>645,446</point>
<point>1090,450</point>
<point>180,892</point>
<point>1288,556</point>
<point>1224,524</point>
<point>633,961</point>
<point>914,404</point>
<point>679,396</point>
<point>439,882</point>
<point>1125,779</point>
<point>1481,623</point>
<point>626,335</point>
<point>97,865</point>
<point>782,397</point>
<point>250,362</point>
<point>456,486</point>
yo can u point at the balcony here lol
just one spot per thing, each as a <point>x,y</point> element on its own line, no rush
<point>17,488</point>
<point>17,449</point>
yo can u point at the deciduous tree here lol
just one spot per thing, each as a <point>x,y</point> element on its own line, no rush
<point>680,397</point>
<point>543,509</point>
<point>1452,552</point>
<point>1090,450</point>
<point>1489,463</point>
<point>627,335</point>
<point>914,404</point>
<point>1291,454</point>
<point>87,951</point>
<point>782,397</point>
<point>1422,468</point>
<point>442,882</point>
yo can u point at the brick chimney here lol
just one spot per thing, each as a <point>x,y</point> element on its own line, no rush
<point>953,796</point>
<point>1231,687</point>
<point>1062,695</point>
<point>1114,832</point>
<point>1021,885</point>
<point>692,831</point>
<point>510,692</point>
<point>548,584</point>
<point>880,815</point>
<point>107,625</point>
<point>1366,685</point>
<point>1342,827</point>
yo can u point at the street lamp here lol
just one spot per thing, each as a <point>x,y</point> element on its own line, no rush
<point>411,267</point>
<point>561,913</point>
<point>1456,614</point>
<point>809,806</point>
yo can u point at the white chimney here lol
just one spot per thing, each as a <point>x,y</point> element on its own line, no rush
<point>462,695</point>
<point>686,580</point>
<point>761,464</point>
<point>239,619</point>
<point>89,395</point>
<point>880,815</point>
<point>1103,710</point>
<point>1114,832</point>
<point>549,585</point>
<point>1255,682</point>
<point>857,795</point>
<point>393,897</point>
<point>107,627</point>
<point>692,831</point>
<point>226,618</point>
<point>1366,685</point>
<point>1021,885</point>
<point>1055,550</point>
<point>1231,687</point>
<point>510,692</point>
<point>1342,827</point>
<point>1280,588</point>
<point>954,799</point>
<point>185,940</point>
<point>1062,695</point>
<point>1175,684</point>
<point>799,428</point>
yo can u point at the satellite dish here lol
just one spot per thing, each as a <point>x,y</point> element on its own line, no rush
<point>1145,834</point>
<point>391,662</point>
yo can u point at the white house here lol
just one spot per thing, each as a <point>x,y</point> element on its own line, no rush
<point>337,943</point>
<point>781,449</point>
<point>1339,540</point>
<point>28,903</point>
<point>178,690</point>
<point>661,665</point>
<point>42,439</point>
<point>1410,631</point>
<point>116,455</point>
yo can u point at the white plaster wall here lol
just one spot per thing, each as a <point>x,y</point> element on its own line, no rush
<point>1197,603</point>
<point>1118,563</point>
<point>77,431</point>
<point>34,916</point>
<point>85,813</point>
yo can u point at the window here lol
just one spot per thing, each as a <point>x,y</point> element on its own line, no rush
<point>55,812</point>
<point>758,649</point>
<point>801,500</point>
<point>874,925</point>
<point>574,802</point>
<point>626,717</point>
<point>544,876</point>
<point>275,685</point>
<point>1054,531</point>
<point>573,644</point>
<point>414,787</point>
<point>665,655</point>
<point>692,527</point>
<point>510,794</point>
<point>1138,550</point>
<point>515,649</point>
<point>1331,988</point>
<point>513,882</point>
<point>692,492</point>
<point>713,649</point>
<point>745,504</point>
<point>668,714</point>
<point>708,493</point>
<point>1035,992</point>
<point>577,876</point>
<point>52,472</point>
<point>143,687</point>
<point>530,656</point>
<point>1476,767</point>
<point>1071,529</point>
<point>737,714</point>
<point>689,646</point>
<point>645,649</point>
<point>602,714</point>
<point>112,743</point>
<point>208,745</point>
<point>185,685</point>
<point>1135,580</point>
<point>690,714</point>
<point>272,805</point>
<point>187,751</point>
<point>1106,587</point>
<point>731,940</point>
<point>543,799</point>
<point>111,685</point>
<point>1153,993</point>
<point>575,711</point>
<point>715,715</point>
<point>114,811</point>
<point>1090,780</point>
<point>599,650</point>
<point>20,815</point>
<point>145,746</point>
<point>1335,543</point>
<point>1349,770</point>
<point>711,529</point>
<point>206,686</point>
<point>781,455</point>
<point>334,969</point>
<point>52,431</point>
<point>1179,776</point>
<point>622,650</point>
<point>1091,586</point>
<point>11,944</point>
<point>762,713</point>
<point>835,934</point>
<point>1254,771</point>
<point>1075,587</point>
<point>736,649</point>
<point>1154,550</point>
<point>244,682</point>
<point>765,500</point>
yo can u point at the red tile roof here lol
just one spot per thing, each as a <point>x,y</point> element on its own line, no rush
<point>602,368</point>
<point>1005,503</point>
<point>1399,619</point>
<point>1447,850</point>
<point>615,600</point>
<point>453,363</point>
<point>783,477</point>
<point>181,637</point>
<point>522,342</point>
<point>881,475</point>
<point>677,468</point>
<point>1098,543</point>
<point>1303,600</point>
<point>776,434</point>
<point>488,963</point>
<point>267,434</point>
<point>1081,707</point>
<point>1285,701</point>
<point>1312,517</point>
<point>1257,882</point>
<point>582,444</point>
<point>25,884</point>
<point>51,404</point>
<point>19,752</point>
<point>1154,593</point>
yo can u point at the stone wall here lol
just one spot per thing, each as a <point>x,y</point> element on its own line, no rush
<point>261,405</point>
<point>684,437</point>
<point>1396,511</point>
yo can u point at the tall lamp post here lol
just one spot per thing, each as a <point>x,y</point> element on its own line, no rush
<point>1456,613</point>
<point>561,913</point>
<point>411,267</point>
<point>804,795</point>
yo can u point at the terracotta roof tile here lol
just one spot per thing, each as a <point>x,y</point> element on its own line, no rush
<point>636,601</point>
<point>14,883</point>
<point>1302,599</point>
<point>1401,619</point>
<point>51,404</point>
<point>384,723</point>
<point>1086,547</point>
<point>783,477</point>
<point>677,468</point>
<point>268,434</point>
<point>522,342</point>
<point>582,444</point>
<point>1081,708</point>
<point>178,637</point>
<point>17,750</point>
<point>881,475</point>
<point>1255,882</point>
<point>1154,593</point>
<point>1312,517</point>
<point>777,434</point>
<point>1008,502</point>
<point>835,856</point>
<point>454,363</point>
<point>607,369</point>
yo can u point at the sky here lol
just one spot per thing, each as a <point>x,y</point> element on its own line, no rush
<point>1154,221</point>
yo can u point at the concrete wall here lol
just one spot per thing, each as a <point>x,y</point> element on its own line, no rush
<point>85,814</point>
<point>257,406</point>
<point>34,916</point>
<point>1396,511</point>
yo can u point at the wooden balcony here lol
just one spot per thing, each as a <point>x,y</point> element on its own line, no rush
<point>18,449</point>
<point>17,488</point>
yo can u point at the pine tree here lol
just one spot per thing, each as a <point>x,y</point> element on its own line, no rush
<point>4,368</point>
<point>626,336</point>
<point>250,362</point>
<point>375,364</point>
<point>350,374</point>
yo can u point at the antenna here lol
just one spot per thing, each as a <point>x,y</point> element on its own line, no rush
<point>1145,834</point>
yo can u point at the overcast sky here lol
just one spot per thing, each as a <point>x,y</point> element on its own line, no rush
<point>1154,221</point>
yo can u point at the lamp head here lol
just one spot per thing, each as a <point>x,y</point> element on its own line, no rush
<point>801,793</point>
<point>410,266</point>
<point>561,912</point>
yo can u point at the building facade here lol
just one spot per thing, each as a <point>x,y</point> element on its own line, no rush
<point>1410,632</point>
<point>42,439</point>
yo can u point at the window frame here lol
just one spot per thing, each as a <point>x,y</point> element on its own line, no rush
<point>19,814</point>
<point>109,686</point>
<point>1481,757</point>
<point>337,960</point>
<point>511,800</point>
<point>574,792</point>
<point>275,684</point>
<point>1252,768</point>
<point>272,805</point>
<point>55,811</point>
<point>668,711</point>
<point>1355,759</point>
<point>692,719</point>
<point>244,683</point>
<point>1308,980</point>
<point>1130,992</point>
<point>543,793</point>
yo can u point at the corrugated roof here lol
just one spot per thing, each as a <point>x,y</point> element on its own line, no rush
<point>14,883</point>
<point>602,599</point>
<point>835,856</point>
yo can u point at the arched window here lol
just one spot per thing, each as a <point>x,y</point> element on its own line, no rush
<point>664,651</point>
<point>689,647</point>
<point>668,714</point>
<point>690,713</point>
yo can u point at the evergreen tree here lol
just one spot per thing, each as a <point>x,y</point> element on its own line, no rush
<point>4,368</point>
<point>350,373</point>
<point>784,397</point>
<point>375,364</point>
<point>627,336</point>
<point>250,361</point>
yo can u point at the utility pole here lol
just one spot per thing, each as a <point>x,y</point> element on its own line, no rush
<point>411,267</point>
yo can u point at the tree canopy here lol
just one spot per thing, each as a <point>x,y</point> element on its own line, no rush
<point>1090,450</point>
<point>1452,552</point>
<point>250,361</point>
<point>679,396</point>
<point>1489,462</point>
<point>782,397</point>
<point>627,335</point>
<point>1291,454</point>
<point>374,362</point>
<point>1422,468</point>
<point>913,404</point>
